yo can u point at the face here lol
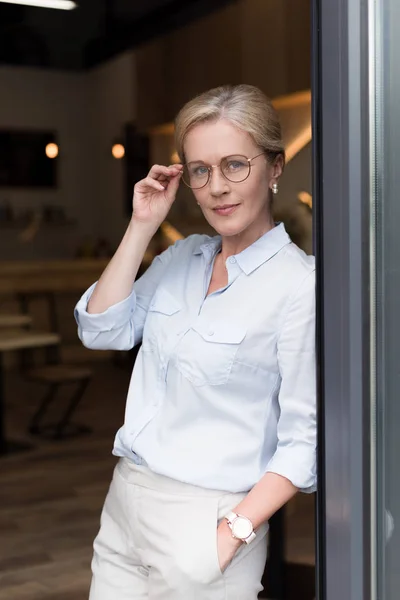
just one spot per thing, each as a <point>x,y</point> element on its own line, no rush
<point>232,208</point>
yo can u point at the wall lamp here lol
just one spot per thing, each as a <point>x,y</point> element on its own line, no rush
<point>60,4</point>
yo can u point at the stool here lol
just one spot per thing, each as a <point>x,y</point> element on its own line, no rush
<point>55,376</point>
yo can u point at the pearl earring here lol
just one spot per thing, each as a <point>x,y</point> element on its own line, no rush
<point>274,188</point>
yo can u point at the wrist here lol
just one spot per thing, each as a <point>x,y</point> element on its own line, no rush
<point>141,231</point>
<point>225,530</point>
<point>241,527</point>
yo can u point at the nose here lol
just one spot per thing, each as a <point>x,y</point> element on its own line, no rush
<point>218,184</point>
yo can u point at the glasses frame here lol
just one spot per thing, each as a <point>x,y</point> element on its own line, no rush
<point>211,167</point>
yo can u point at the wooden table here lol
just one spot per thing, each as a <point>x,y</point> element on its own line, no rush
<point>54,276</point>
<point>19,340</point>
<point>26,280</point>
<point>14,320</point>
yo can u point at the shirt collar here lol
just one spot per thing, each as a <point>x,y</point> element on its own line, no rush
<point>255,255</point>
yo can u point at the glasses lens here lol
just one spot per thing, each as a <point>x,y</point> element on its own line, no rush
<point>195,175</point>
<point>235,168</point>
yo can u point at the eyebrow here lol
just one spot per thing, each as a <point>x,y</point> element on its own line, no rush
<point>204,162</point>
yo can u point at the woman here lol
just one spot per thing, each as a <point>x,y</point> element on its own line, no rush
<point>220,425</point>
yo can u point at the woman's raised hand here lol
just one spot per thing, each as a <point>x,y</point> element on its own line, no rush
<point>154,195</point>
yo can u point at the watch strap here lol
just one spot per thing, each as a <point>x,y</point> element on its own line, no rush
<point>251,537</point>
<point>231,516</point>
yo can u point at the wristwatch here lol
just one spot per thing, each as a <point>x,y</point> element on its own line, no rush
<point>241,527</point>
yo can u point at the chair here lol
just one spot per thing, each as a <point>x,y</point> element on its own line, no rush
<point>55,376</point>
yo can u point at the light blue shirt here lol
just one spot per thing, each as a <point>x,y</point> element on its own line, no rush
<point>223,388</point>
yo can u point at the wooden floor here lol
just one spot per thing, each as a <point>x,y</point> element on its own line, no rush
<point>51,497</point>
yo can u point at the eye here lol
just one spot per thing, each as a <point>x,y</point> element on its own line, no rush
<point>235,165</point>
<point>199,171</point>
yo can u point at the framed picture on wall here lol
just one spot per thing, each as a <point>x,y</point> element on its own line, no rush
<point>28,158</point>
<point>137,160</point>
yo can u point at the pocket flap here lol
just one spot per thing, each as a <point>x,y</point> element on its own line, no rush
<point>222,333</point>
<point>164,302</point>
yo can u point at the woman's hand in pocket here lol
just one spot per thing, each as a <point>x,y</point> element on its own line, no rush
<point>227,545</point>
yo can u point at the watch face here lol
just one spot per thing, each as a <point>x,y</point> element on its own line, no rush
<point>241,528</point>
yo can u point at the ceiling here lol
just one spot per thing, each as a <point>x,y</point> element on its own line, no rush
<point>93,32</point>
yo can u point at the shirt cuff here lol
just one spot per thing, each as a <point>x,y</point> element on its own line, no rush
<point>114,317</point>
<point>299,467</point>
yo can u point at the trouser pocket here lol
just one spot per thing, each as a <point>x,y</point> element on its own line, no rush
<point>194,553</point>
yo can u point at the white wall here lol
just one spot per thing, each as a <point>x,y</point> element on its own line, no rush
<point>112,104</point>
<point>37,99</point>
<point>86,110</point>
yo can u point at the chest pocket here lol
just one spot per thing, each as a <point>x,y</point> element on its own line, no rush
<point>208,353</point>
<point>162,321</point>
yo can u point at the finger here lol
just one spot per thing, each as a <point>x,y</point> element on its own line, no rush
<point>167,177</point>
<point>174,171</point>
<point>157,171</point>
<point>153,183</point>
<point>162,179</point>
<point>173,185</point>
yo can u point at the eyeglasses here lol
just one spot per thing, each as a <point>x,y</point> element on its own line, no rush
<point>235,168</point>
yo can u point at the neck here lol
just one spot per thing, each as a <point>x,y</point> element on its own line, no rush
<point>235,244</point>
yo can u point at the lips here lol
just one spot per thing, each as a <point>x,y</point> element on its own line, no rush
<point>226,209</point>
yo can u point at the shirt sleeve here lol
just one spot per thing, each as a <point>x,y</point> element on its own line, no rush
<point>295,456</point>
<point>120,327</point>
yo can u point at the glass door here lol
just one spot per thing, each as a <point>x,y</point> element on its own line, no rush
<point>341,162</point>
<point>384,48</point>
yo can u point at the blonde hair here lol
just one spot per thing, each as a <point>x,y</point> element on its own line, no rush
<point>245,106</point>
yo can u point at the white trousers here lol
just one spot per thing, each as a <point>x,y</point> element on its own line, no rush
<point>158,541</point>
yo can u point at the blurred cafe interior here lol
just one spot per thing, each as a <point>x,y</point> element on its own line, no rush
<point>87,99</point>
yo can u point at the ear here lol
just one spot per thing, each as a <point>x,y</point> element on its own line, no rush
<point>277,168</point>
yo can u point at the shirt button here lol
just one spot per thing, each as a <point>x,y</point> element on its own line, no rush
<point>210,333</point>
<point>232,259</point>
